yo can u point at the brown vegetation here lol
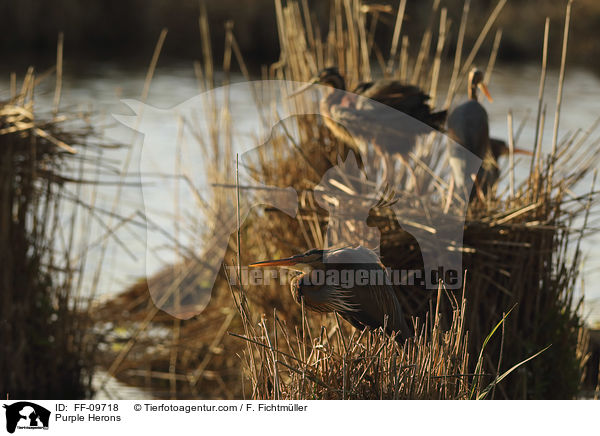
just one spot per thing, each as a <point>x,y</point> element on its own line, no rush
<point>521,254</point>
<point>45,343</point>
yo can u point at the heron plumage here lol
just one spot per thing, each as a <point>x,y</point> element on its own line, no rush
<point>373,304</point>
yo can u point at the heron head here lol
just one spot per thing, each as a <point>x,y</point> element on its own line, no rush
<point>476,81</point>
<point>327,77</point>
<point>331,77</point>
<point>312,259</point>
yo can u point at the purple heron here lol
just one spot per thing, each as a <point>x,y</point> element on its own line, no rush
<point>352,283</point>
<point>355,120</point>
<point>468,126</point>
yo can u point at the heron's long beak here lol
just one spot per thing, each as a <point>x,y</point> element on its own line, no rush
<point>303,88</point>
<point>523,151</point>
<point>485,91</point>
<point>280,262</point>
<point>506,151</point>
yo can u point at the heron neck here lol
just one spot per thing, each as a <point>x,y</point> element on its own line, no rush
<point>334,96</point>
<point>314,294</point>
<point>473,92</point>
<point>309,293</point>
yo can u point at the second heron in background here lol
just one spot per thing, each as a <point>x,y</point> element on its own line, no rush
<point>468,126</point>
<point>356,119</point>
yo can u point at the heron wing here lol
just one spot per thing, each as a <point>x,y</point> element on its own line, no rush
<point>376,305</point>
<point>358,255</point>
<point>370,300</point>
<point>389,129</point>
<point>409,99</point>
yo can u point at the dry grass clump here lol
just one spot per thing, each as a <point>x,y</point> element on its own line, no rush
<point>330,362</point>
<point>45,347</point>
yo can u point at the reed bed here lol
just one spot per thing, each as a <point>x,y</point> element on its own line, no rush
<point>46,346</point>
<point>521,251</point>
<point>330,363</point>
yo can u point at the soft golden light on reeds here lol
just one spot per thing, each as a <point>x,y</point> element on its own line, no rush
<point>514,247</point>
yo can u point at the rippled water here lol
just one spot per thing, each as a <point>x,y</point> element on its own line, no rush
<point>514,87</point>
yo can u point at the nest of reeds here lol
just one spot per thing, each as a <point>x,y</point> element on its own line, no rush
<point>521,254</point>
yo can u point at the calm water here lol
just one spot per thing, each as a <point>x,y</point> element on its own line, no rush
<point>101,88</point>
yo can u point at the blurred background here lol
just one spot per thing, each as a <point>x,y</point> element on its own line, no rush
<point>126,30</point>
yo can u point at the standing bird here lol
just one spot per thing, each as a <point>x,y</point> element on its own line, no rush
<point>350,281</point>
<point>468,126</point>
<point>355,120</point>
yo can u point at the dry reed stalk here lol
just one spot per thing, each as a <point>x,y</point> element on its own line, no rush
<point>206,46</point>
<point>458,54</point>
<point>511,153</point>
<point>538,124</point>
<point>435,73</point>
<point>423,54</point>
<point>561,80</point>
<point>59,73</point>
<point>404,59</point>
<point>492,60</point>
<point>396,37</point>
